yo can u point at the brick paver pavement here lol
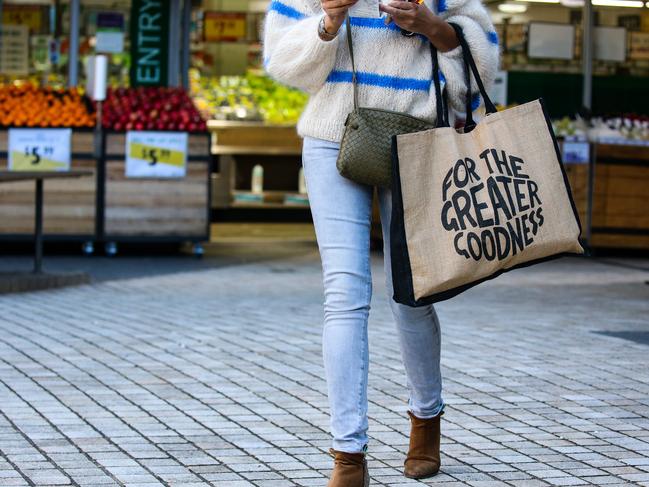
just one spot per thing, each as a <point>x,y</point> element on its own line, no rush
<point>215,377</point>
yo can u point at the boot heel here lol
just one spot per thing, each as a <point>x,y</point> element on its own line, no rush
<point>423,458</point>
<point>350,470</point>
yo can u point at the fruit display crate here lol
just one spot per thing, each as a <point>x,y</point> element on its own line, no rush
<point>154,209</point>
<point>578,174</point>
<point>620,217</point>
<point>69,205</point>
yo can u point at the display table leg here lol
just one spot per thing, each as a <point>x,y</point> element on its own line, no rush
<point>38,229</point>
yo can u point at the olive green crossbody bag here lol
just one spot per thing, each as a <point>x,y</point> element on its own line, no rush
<point>365,149</point>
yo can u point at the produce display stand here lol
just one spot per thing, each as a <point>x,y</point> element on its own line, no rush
<point>68,204</point>
<point>611,195</point>
<point>38,177</point>
<point>154,210</point>
<point>621,187</point>
<point>580,176</point>
<point>238,147</point>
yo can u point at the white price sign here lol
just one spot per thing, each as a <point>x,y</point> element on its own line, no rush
<point>39,149</point>
<point>156,154</point>
<point>575,152</point>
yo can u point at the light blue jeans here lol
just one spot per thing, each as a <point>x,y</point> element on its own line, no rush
<point>342,213</point>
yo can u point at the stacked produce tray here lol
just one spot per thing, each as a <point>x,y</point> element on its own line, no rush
<point>155,209</point>
<point>69,204</point>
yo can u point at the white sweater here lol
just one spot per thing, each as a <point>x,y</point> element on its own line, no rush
<point>394,72</point>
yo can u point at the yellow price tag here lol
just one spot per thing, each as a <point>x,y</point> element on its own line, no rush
<point>224,26</point>
<point>34,161</point>
<point>157,155</point>
<point>29,15</point>
<point>39,149</point>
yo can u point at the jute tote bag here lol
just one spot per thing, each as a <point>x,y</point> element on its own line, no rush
<point>470,206</point>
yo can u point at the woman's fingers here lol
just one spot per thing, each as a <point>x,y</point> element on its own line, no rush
<point>398,13</point>
<point>337,11</point>
<point>401,5</point>
<point>337,8</point>
<point>337,4</point>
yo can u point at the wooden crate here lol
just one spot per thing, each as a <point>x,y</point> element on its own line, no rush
<point>250,138</point>
<point>156,208</point>
<point>620,214</point>
<point>578,179</point>
<point>68,204</point>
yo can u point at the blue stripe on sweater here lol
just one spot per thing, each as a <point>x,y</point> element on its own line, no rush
<point>380,80</point>
<point>379,23</point>
<point>475,102</point>
<point>283,9</point>
<point>441,6</point>
<point>493,37</point>
<point>374,23</point>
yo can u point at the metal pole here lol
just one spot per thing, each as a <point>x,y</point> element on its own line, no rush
<point>587,54</point>
<point>38,229</point>
<point>587,102</point>
<point>591,193</point>
<point>187,19</point>
<point>73,59</point>
<point>174,42</point>
<point>100,161</point>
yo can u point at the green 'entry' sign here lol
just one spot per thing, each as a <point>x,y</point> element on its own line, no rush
<point>149,42</point>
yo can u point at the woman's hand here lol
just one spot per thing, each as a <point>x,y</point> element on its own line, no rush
<point>418,18</point>
<point>335,11</point>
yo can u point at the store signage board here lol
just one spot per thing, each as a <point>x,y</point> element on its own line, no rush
<point>156,154</point>
<point>110,32</point>
<point>14,50</point>
<point>39,149</point>
<point>639,45</point>
<point>498,92</point>
<point>551,41</point>
<point>55,51</point>
<point>149,42</point>
<point>29,15</point>
<point>40,49</point>
<point>220,26</point>
<point>576,152</point>
<point>610,44</point>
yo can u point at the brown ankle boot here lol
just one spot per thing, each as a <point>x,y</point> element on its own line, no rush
<point>350,469</point>
<point>423,458</point>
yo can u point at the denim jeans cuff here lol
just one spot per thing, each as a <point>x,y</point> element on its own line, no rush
<point>425,415</point>
<point>350,446</point>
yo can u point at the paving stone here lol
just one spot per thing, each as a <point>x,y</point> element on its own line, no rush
<point>214,377</point>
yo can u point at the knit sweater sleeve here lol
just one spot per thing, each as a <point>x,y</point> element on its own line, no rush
<point>293,52</point>
<point>481,37</point>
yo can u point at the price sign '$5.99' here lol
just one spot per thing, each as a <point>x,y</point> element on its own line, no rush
<point>39,149</point>
<point>156,154</point>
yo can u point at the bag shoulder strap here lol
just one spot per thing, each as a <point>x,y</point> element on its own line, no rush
<point>442,108</point>
<point>350,45</point>
<point>469,68</point>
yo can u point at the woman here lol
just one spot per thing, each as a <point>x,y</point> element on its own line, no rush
<point>303,47</point>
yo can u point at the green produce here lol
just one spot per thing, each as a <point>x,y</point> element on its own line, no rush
<point>249,97</point>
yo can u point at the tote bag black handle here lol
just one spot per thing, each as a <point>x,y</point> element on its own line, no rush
<point>471,67</point>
